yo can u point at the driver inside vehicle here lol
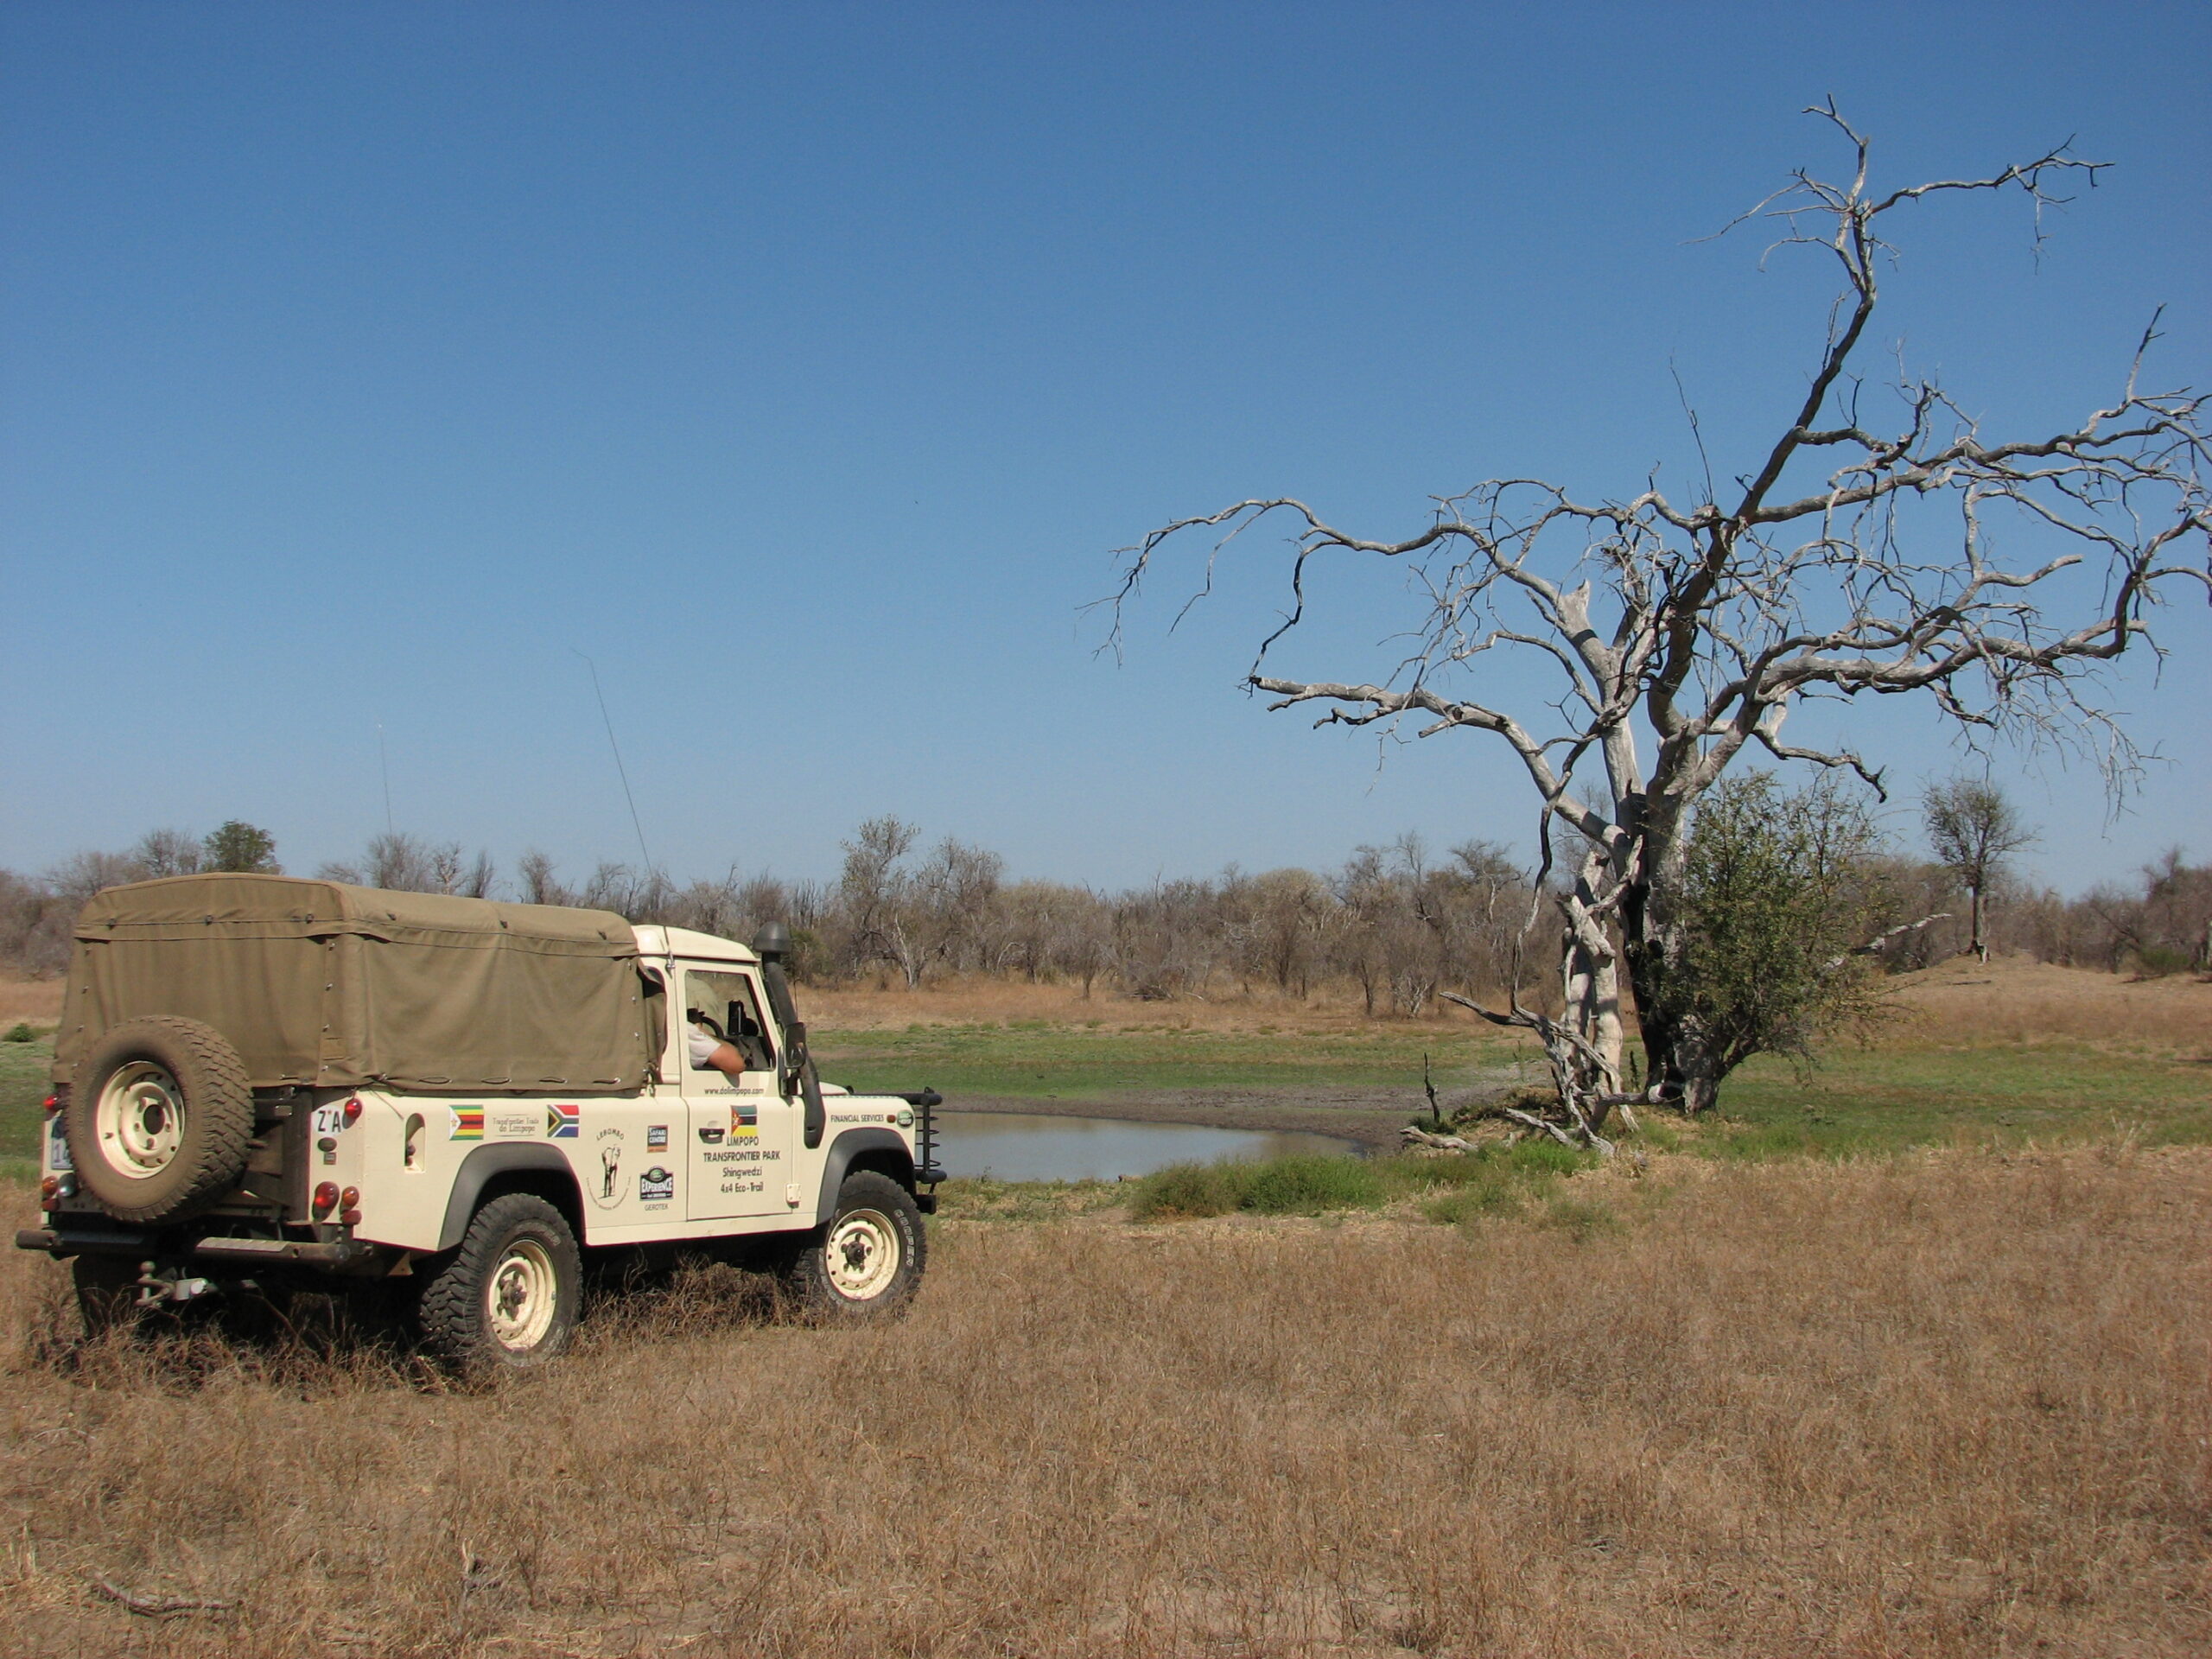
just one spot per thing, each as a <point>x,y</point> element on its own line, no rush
<point>723,1032</point>
<point>708,1050</point>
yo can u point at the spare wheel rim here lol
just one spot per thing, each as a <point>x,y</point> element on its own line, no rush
<point>522,1296</point>
<point>862,1254</point>
<point>140,1120</point>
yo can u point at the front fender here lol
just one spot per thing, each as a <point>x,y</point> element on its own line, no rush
<point>839,1164</point>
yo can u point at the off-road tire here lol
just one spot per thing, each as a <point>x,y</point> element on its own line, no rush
<point>107,1293</point>
<point>837,1275</point>
<point>173,1138</point>
<point>506,1299</point>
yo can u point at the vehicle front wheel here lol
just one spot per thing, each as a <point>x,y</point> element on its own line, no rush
<point>507,1300</point>
<point>866,1263</point>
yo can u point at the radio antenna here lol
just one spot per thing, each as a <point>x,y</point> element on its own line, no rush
<point>621,771</point>
<point>384,764</point>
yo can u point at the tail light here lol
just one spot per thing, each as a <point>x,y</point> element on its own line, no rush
<point>352,1110</point>
<point>53,1104</point>
<point>325,1200</point>
<point>50,1192</point>
<point>349,1206</point>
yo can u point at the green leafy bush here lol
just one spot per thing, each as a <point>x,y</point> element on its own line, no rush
<point>20,1033</point>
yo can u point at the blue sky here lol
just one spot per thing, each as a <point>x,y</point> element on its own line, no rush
<point>363,366</point>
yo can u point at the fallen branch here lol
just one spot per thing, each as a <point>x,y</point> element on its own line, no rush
<point>164,1606</point>
<point>1874,946</point>
<point>1554,1130</point>
<point>1416,1136</point>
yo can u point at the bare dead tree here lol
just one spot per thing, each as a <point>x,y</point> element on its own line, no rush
<point>1851,559</point>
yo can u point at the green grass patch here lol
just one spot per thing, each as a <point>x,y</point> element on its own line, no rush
<point>1498,1180</point>
<point>1860,1102</point>
<point>1582,1220</point>
<point>23,1089</point>
<point>1303,1184</point>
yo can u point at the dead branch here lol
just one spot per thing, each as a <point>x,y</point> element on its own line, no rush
<point>162,1606</point>
<point>1413,1136</point>
<point>1876,945</point>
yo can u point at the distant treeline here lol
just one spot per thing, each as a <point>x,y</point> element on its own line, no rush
<point>1394,925</point>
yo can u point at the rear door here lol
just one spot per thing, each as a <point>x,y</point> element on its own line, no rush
<point>742,1135</point>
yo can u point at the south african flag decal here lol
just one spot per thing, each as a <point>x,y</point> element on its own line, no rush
<point>561,1123</point>
<point>467,1123</point>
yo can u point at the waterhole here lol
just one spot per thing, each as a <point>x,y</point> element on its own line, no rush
<point>1040,1146</point>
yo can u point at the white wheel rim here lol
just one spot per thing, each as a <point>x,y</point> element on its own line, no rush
<point>862,1254</point>
<point>140,1120</point>
<point>520,1301</point>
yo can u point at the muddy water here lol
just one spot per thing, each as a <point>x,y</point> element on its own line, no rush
<point>1032,1147</point>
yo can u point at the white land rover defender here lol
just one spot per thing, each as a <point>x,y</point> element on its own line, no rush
<point>262,1081</point>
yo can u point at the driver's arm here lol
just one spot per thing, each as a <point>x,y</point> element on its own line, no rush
<point>708,1052</point>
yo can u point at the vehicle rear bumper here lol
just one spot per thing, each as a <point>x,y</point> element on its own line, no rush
<point>59,1242</point>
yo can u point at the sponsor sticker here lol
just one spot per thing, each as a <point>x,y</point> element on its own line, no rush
<point>57,1146</point>
<point>563,1122</point>
<point>606,1188</point>
<point>711,1137</point>
<point>467,1123</point>
<point>656,1137</point>
<point>509,1126</point>
<point>744,1121</point>
<point>656,1186</point>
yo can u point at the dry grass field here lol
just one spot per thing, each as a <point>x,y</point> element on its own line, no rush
<point>1943,1387</point>
<point>1953,1403</point>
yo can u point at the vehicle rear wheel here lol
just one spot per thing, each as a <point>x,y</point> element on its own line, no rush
<point>159,1117</point>
<point>867,1263</point>
<point>507,1298</point>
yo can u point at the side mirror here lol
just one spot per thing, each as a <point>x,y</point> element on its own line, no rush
<point>800,1079</point>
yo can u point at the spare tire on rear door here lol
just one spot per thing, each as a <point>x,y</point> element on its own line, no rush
<point>159,1117</point>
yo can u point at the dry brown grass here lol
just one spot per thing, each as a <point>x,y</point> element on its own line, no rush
<point>38,1000</point>
<point>2017,1000</point>
<point>997,1001</point>
<point>1948,1406</point>
<point>1965,1002</point>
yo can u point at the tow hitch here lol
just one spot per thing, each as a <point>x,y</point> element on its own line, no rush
<point>158,1285</point>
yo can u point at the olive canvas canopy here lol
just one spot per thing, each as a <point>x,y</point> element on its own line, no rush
<point>324,985</point>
